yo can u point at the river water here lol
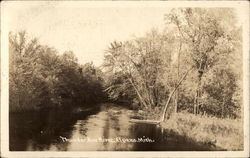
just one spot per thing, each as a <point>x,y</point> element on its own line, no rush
<point>106,128</point>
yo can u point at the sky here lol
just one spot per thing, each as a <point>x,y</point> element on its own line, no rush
<point>87,31</point>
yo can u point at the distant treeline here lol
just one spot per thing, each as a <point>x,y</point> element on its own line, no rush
<point>199,53</point>
<point>41,78</point>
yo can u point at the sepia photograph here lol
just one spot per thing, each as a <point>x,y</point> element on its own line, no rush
<point>135,78</point>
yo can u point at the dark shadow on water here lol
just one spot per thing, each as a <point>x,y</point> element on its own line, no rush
<point>38,130</point>
<point>41,131</point>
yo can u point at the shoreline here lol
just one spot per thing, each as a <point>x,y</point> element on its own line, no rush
<point>222,133</point>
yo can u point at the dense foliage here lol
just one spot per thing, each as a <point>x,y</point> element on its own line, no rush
<point>145,71</point>
<point>194,65</point>
<point>41,78</point>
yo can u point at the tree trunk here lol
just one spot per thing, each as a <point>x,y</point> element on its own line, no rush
<point>138,93</point>
<point>198,93</point>
<point>178,74</point>
<point>130,78</point>
<point>223,108</point>
<point>176,101</point>
<point>195,97</point>
<point>172,93</point>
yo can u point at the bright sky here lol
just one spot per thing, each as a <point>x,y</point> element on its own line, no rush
<point>86,28</point>
<point>87,31</point>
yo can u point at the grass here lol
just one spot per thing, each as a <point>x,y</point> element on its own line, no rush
<point>223,133</point>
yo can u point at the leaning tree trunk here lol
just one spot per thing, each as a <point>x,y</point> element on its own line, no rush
<point>172,93</point>
<point>138,93</point>
<point>130,78</point>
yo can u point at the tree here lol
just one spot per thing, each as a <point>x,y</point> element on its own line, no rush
<point>205,38</point>
<point>142,62</point>
<point>25,77</point>
<point>218,92</point>
<point>40,78</point>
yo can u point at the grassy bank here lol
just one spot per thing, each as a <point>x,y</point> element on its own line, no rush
<point>223,133</point>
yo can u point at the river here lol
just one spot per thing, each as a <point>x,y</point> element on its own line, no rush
<point>106,128</point>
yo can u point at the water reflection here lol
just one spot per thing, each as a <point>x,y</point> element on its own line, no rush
<point>89,131</point>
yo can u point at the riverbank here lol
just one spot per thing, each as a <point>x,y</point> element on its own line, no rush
<point>53,131</point>
<point>224,133</point>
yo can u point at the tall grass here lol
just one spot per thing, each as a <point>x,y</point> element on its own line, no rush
<point>224,133</point>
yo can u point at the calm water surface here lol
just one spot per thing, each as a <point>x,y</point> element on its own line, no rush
<point>104,129</point>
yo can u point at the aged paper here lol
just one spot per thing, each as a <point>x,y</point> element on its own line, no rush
<point>185,64</point>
